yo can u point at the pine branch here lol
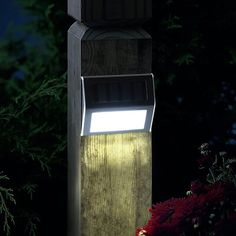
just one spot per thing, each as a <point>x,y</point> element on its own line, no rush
<point>32,225</point>
<point>30,189</point>
<point>6,196</point>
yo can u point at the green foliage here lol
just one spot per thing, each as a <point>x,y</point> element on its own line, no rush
<point>194,62</point>
<point>32,113</point>
<point>31,225</point>
<point>6,197</point>
<point>30,189</point>
<point>172,22</point>
<point>185,59</point>
<point>232,52</point>
<point>223,169</point>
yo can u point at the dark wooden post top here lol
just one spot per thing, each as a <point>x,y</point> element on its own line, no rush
<point>110,12</point>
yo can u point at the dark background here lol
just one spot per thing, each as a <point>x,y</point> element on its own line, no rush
<point>194,60</point>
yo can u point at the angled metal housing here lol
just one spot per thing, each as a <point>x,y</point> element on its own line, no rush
<point>117,93</point>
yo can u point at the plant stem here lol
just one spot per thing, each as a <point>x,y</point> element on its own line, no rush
<point>212,174</point>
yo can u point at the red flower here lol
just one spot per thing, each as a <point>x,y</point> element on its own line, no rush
<point>208,208</point>
<point>172,216</point>
<point>218,192</point>
<point>178,215</point>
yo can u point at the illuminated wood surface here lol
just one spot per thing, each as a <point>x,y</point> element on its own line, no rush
<point>116,183</point>
<point>109,176</point>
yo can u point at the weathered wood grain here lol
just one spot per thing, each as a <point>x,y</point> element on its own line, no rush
<point>116,183</point>
<point>109,177</point>
<point>75,34</point>
<point>116,51</point>
<point>110,12</point>
<point>74,9</point>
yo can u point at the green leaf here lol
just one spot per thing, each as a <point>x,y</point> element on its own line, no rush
<point>185,59</point>
<point>173,22</point>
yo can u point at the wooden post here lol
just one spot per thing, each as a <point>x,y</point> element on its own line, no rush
<point>109,176</point>
<point>110,12</point>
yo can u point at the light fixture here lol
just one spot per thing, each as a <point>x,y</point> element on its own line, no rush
<point>117,104</point>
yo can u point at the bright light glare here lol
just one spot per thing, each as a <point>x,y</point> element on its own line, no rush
<point>118,121</point>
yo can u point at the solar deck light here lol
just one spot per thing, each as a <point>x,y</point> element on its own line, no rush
<point>117,104</point>
<point>111,106</point>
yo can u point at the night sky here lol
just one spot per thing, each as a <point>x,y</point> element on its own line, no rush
<point>11,13</point>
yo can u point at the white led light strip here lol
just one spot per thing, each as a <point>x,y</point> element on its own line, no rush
<point>118,121</point>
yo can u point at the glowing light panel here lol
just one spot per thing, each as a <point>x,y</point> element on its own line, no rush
<point>118,121</point>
